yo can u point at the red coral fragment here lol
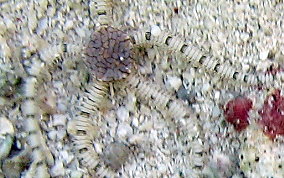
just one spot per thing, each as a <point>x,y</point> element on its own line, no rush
<point>272,114</point>
<point>236,112</point>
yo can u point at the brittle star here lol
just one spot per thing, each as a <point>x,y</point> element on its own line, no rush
<point>109,64</point>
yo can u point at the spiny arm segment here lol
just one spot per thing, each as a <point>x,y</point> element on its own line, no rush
<point>197,57</point>
<point>103,10</point>
<point>157,97</point>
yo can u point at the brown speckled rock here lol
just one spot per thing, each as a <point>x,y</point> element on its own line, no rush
<point>116,154</point>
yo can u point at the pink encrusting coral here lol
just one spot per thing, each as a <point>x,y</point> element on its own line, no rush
<point>236,112</point>
<point>272,115</point>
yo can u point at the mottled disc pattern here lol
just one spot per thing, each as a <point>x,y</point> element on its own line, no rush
<point>109,54</point>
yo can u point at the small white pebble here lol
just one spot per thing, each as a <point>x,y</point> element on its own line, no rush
<point>98,148</point>
<point>52,135</point>
<point>174,82</point>
<point>245,36</point>
<point>131,102</point>
<point>61,134</point>
<point>122,113</point>
<point>58,169</point>
<point>188,76</point>
<point>162,168</point>
<point>217,95</point>
<point>215,111</point>
<point>214,139</point>
<point>124,130</point>
<point>135,122</point>
<point>32,20</point>
<point>61,106</point>
<point>59,120</point>
<point>58,85</point>
<point>6,127</point>
<point>50,11</point>
<point>263,54</point>
<point>155,30</point>
<point>9,24</point>
<point>113,131</point>
<point>68,24</point>
<point>42,26</point>
<point>245,67</point>
<point>206,87</point>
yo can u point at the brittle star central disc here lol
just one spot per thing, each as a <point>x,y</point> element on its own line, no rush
<point>109,54</point>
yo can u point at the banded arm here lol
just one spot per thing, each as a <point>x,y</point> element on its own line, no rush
<point>197,57</point>
<point>157,97</point>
